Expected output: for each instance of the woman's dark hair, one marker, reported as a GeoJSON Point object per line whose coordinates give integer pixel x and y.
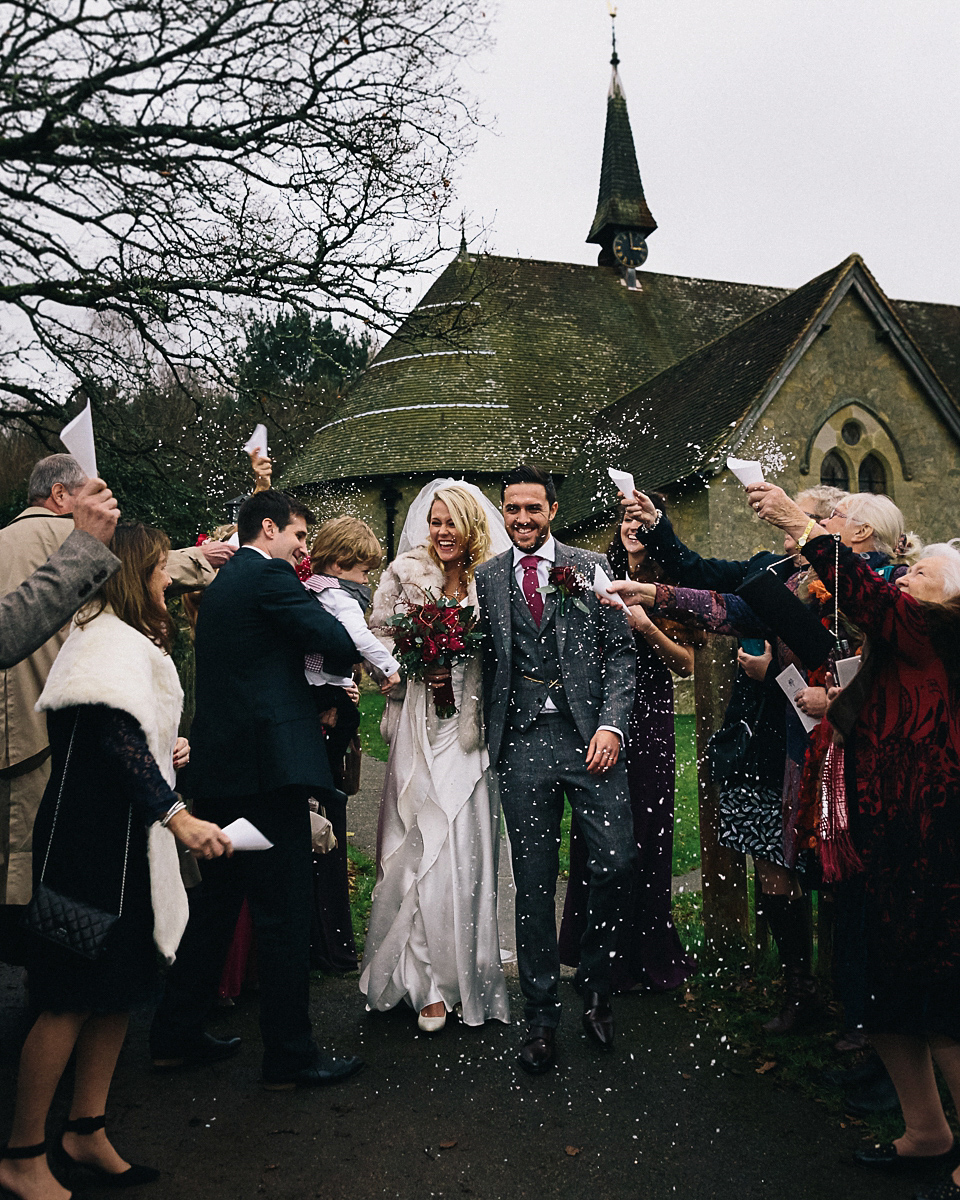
{"type": "Point", "coordinates": [271, 505]}
{"type": "Point", "coordinates": [140, 549]}
{"type": "Point", "coordinates": [650, 571]}
{"type": "Point", "coordinates": [527, 473]}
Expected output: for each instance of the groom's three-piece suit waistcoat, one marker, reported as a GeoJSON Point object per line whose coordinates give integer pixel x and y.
{"type": "Point", "coordinates": [584, 661]}
{"type": "Point", "coordinates": [536, 663]}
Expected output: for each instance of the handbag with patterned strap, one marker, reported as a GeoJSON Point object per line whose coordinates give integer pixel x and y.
{"type": "Point", "coordinates": [71, 924]}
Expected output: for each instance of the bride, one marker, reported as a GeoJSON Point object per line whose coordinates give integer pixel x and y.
{"type": "Point", "coordinates": [433, 940]}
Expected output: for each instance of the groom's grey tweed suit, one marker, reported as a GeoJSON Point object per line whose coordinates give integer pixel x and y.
{"type": "Point", "coordinates": [590, 660]}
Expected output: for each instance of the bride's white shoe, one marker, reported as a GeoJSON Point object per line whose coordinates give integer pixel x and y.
{"type": "Point", "coordinates": [432, 1024]}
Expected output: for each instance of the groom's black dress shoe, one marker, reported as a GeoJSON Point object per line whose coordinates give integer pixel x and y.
{"type": "Point", "coordinates": [325, 1070]}
{"type": "Point", "coordinates": [197, 1051]}
{"type": "Point", "coordinates": [538, 1053]}
{"type": "Point", "coordinates": [598, 1019]}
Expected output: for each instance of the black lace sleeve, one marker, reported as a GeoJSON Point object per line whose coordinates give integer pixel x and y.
{"type": "Point", "coordinates": [123, 740]}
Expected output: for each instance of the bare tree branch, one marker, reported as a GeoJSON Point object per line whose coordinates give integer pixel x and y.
{"type": "Point", "coordinates": [165, 162]}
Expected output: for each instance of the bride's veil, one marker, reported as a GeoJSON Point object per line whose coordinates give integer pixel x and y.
{"type": "Point", "coordinates": [414, 532]}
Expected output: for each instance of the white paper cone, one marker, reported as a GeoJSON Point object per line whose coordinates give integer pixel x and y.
{"type": "Point", "coordinates": [77, 436]}
{"type": "Point", "coordinates": [234, 539]}
{"type": "Point", "coordinates": [747, 470]}
{"type": "Point", "coordinates": [622, 480]}
{"type": "Point", "coordinates": [258, 441]}
{"type": "Point", "coordinates": [246, 836]}
{"type": "Point", "coordinates": [601, 585]}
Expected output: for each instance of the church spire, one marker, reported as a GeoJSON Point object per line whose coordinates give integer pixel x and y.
{"type": "Point", "coordinates": [621, 205]}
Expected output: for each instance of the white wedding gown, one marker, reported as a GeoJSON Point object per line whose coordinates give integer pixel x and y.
{"type": "Point", "coordinates": [433, 927]}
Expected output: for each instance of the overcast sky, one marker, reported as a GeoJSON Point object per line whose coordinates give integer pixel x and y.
{"type": "Point", "coordinates": [774, 137]}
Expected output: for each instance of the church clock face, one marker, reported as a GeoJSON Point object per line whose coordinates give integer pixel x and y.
{"type": "Point", "coordinates": [629, 248]}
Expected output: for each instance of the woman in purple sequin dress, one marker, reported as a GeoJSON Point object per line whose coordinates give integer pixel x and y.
{"type": "Point", "coordinates": [649, 952]}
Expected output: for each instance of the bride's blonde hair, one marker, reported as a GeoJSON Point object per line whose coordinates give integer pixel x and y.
{"type": "Point", "coordinates": [469, 520]}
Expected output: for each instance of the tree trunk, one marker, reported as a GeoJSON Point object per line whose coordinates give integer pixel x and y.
{"type": "Point", "coordinates": [725, 911]}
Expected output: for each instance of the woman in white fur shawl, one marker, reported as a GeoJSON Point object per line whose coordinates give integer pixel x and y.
{"type": "Point", "coordinates": [113, 702]}
{"type": "Point", "coordinates": [433, 941]}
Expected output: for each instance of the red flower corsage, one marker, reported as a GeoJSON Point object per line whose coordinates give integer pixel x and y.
{"type": "Point", "coordinates": [569, 586]}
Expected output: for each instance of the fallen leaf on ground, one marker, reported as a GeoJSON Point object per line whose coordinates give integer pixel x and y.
{"type": "Point", "coordinates": [767, 1066]}
{"type": "Point", "coordinates": [448, 1145]}
{"type": "Point", "coordinates": [573, 1151]}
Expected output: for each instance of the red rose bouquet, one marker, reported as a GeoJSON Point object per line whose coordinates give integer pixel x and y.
{"type": "Point", "coordinates": [435, 634]}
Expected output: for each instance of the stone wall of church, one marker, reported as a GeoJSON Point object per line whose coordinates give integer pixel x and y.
{"type": "Point", "coordinates": [848, 377]}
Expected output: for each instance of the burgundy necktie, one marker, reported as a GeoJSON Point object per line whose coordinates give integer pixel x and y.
{"type": "Point", "coordinates": [531, 582]}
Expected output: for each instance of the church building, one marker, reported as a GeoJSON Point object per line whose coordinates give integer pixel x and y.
{"type": "Point", "coordinates": [583, 367]}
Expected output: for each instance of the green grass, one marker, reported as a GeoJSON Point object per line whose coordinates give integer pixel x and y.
{"type": "Point", "coordinates": [362, 873]}
{"type": "Point", "coordinates": [371, 710]}
{"type": "Point", "coordinates": [686, 825]}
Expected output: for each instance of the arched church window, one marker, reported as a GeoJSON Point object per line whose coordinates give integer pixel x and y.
{"type": "Point", "coordinates": [833, 472]}
{"type": "Point", "coordinates": [872, 477]}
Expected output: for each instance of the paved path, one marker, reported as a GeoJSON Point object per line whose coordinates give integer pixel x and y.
{"type": "Point", "coordinates": [669, 1113]}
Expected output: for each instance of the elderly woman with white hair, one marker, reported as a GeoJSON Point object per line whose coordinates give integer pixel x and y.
{"type": "Point", "coordinates": [897, 807]}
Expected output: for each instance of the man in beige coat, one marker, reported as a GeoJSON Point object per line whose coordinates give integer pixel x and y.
{"type": "Point", "coordinates": [25, 544]}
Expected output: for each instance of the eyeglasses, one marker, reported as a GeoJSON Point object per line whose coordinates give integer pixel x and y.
{"type": "Point", "coordinates": [837, 513]}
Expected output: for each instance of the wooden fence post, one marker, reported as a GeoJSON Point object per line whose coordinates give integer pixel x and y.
{"type": "Point", "coordinates": [726, 917]}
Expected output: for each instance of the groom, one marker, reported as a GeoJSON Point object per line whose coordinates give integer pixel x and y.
{"type": "Point", "coordinates": [559, 674]}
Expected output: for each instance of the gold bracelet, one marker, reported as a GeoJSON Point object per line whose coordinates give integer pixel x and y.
{"type": "Point", "coordinates": [802, 539]}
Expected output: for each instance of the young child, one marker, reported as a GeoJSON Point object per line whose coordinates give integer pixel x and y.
{"type": "Point", "coordinates": [344, 553]}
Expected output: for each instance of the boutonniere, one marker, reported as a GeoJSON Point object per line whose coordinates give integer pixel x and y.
{"type": "Point", "coordinates": [569, 586]}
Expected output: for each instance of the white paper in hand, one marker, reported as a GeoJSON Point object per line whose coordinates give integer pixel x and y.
{"type": "Point", "coordinates": [747, 470]}
{"type": "Point", "coordinates": [847, 668]}
{"type": "Point", "coordinates": [77, 436]}
{"type": "Point", "coordinates": [258, 441]}
{"type": "Point", "coordinates": [792, 682]}
{"type": "Point", "coordinates": [246, 836]}
{"type": "Point", "coordinates": [601, 585]}
{"type": "Point", "coordinates": [623, 481]}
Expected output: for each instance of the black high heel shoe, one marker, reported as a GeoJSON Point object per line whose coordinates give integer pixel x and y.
{"type": "Point", "coordinates": [90, 1173]}
{"type": "Point", "coordinates": [20, 1152]}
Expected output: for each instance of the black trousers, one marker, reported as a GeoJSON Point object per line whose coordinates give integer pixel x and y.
{"type": "Point", "coordinates": [277, 884]}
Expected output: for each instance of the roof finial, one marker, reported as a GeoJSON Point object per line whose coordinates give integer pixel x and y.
{"type": "Point", "coordinates": [612, 10]}
{"type": "Point", "coordinates": [463, 235]}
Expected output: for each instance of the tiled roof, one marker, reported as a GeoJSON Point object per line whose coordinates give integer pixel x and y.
{"type": "Point", "coordinates": [680, 422]}
{"type": "Point", "coordinates": [936, 329]}
{"type": "Point", "coordinates": [510, 358]}
{"type": "Point", "coordinates": [621, 203]}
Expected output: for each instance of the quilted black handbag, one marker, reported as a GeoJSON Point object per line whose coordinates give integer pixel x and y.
{"type": "Point", "coordinates": [728, 747]}
{"type": "Point", "coordinates": [72, 924]}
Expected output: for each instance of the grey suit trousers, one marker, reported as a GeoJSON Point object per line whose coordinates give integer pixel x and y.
{"type": "Point", "coordinates": [537, 766]}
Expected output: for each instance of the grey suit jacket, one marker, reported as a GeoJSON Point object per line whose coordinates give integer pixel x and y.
{"type": "Point", "coordinates": [596, 650]}
{"type": "Point", "coordinates": [34, 611]}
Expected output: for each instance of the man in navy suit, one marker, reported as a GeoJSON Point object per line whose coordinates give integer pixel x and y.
{"type": "Point", "coordinates": [257, 752]}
